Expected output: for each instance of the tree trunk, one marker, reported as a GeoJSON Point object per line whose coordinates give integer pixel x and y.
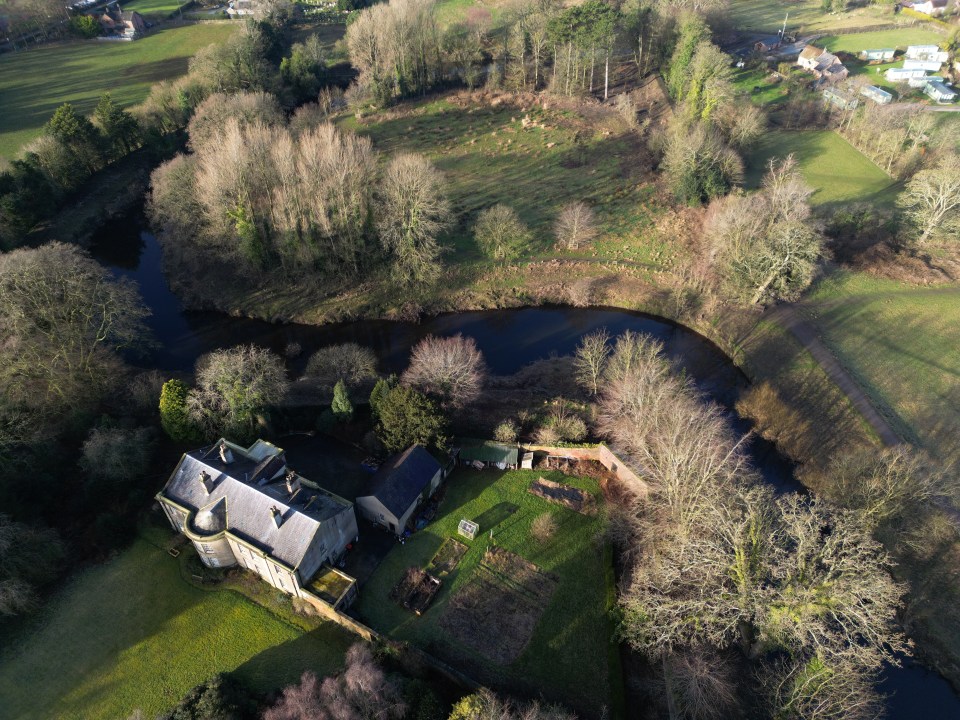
{"type": "Point", "coordinates": [606, 77]}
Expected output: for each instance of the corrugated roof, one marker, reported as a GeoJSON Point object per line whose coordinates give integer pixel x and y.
{"type": "Point", "coordinates": [488, 451]}
{"type": "Point", "coordinates": [400, 480]}
{"type": "Point", "coordinates": [248, 506]}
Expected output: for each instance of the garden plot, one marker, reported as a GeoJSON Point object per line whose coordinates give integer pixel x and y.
{"type": "Point", "coordinates": [495, 614]}
{"type": "Point", "coordinates": [568, 496]}
{"type": "Point", "coordinates": [447, 558]}
{"type": "Point", "coordinates": [416, 590]}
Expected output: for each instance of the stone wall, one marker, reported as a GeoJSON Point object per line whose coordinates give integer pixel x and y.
{"type": "Point", "coordinates": [601, 454]}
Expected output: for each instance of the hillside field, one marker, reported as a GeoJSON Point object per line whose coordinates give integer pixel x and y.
{"type": "Point", "coordinates": [93, 652]}
{"type": "Point", "coordinates": [899, 38]}
{"type": "Point", "coordinates": [838, 172]}
{"type": "Point", "coordinates": [34, 83]}
{"type": "Point", "coordinates": [805, 16]}
{"type": "Point", "coordinates": [902, 344]}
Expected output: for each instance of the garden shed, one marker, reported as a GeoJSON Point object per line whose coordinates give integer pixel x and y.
{"type": "Point", "coordinates": [399, 486]}
{"type": "Point", "coordinates": [486, 453]}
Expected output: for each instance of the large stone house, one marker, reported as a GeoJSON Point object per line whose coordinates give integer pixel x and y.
{"type": "Point", "coordinates": [244, 506]}
{"type": "Point", "coordinates": [824, 65]}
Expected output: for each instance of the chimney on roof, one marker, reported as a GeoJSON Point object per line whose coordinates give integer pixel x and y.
{"type": "Point", "coordinates": [226, 455]}
{"type": "Point", "coordinates": [293, 484]}
{"type": "Point", "coordinates": [277, 516]}
{"type": "Point", "coordinates": [206, 481]}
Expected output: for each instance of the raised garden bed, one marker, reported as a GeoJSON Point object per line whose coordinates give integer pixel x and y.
{"type": "Point", "coordinates": [566, 495]}
{"type": "Point", "coordinates": [447, 558]}
{"type": "Point", "coordinates": [416, 590]}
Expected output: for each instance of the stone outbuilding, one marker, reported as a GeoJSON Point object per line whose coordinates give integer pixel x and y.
{"type": "Point", "coordinates": [399, 487]}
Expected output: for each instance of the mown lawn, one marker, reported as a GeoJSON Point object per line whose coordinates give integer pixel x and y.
{"type": "Point", "coordinates": [902, 343]}
{"type": "Point", "coordinates": [153, 8]}
{"type": "Point", "coordinates": [572, 656]}
{"type": "Point", "coordinates": [899, 38]}
{"type": "Point", "coordinates": [132, 634]}
{"type": "Point", "coordinates": [489, 157]}
{"type": "Point", "coordinates": [836, 170]}
{"type": "Point", "coordinates": [804, 15]}
{"type": "Point", "coordinates": [34, 83]}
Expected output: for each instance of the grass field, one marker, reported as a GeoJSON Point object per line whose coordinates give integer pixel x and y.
{"type": "Point", "coordinates": [899, 38]}
{"type": "Point", "coordinates": [489, 157]}
{"type": "Point", "coordinates": [902, 344]}
{"type": "Point", "coordinates": [571, 656]}
{"type": "Point", "coordinates": [804, 16]}
{"type": "Point", "coordinates": [835, 169]}
{"type": "Point", "coordinates": [153, 8]}
{"type": "Point", "coordinates": [34, 83]}
{"type": "Point", "coordinates": [132, 634]}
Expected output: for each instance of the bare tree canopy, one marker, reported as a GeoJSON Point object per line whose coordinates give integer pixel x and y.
{"type": "Point", "coordinates": [234, 388]}
{"type": "Point", "coordinates": [247, 108]}
{"type": "Point", "coordinates": [576, 226]}
{"type": "Point", "coordinates": [413, 210]}
{"type": "Point", "coordinates": [931, 200]}
{"type": "Point", "coordinates": [590, 359]}
{"type": "Point", "coordinates": [485, 705]}
{"type": "Point", "coordinates": [500, 233]}
{"type": "Point", "coordinates": [116, 454]}
{"type": "Point", "coordinates": [348, 362]}
{"type": "Point", "coordinates": [451, 369]}
{"type": "Point", "coordinates": [62, 317]}
{"type": "Point", "coordinates": [361, 692]}
{"type": "Point", "coordinates": [765, 245]}
{"type": "Point", "coordinates": [29, 556]}
{"type": "Point", "coordinates": [717, 561]}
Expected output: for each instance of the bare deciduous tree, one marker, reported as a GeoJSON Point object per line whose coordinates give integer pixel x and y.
{"type": "Point", "coordinates": [500, 232]}
{"type": "Point", "coordinates": [413, 210]}
{"type": "Point", "coordinates": [701, 683]}
{"type": "Point", "coordinates": [348, 362]}
{"type": "Point", "coordinates": [361, 692]}
{"type": "Point", "coordinates": [590, 359]}
{"type": "Point", "coordinates": [576, 226]}
{"type": "Point", "coordinates": [29, 556]}
{"type": "Point", "coordinates": [62, 318]}
{"type": "Point", "coordinates": [886, 484]}
{"type": "Point", "coordinates": [763, 244]}
{"type": "Point", "coordinates": [117, 455]}
{"type": "Point", "coordinates": [448, 368]}
{"type": "Point", "coordinates": [234, 388]}
{"type": "Point", "coordinates": [485, 705]}
{"type": "Point", "coordinates": [931, 200]}
{"type": "Point", "coordinates": [247, 108]}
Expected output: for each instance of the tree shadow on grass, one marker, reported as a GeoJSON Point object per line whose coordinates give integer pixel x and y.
{"type": "Point", "coordinates": [320, 650]}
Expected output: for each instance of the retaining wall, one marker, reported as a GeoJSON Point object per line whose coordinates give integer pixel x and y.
{"type": "Point", "coordinates": [601, 454]}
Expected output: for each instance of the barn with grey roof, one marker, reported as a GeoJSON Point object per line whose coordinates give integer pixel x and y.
{"type": "Point", "coordinates": [399, 486]}
{"type": "Point", "coordinates": [244, 506]}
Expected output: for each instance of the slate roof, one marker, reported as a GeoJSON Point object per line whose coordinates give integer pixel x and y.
{"type": "Point", "coordinates": [400, 480]}
{"type": "Point", "coordinates": [243, 492]}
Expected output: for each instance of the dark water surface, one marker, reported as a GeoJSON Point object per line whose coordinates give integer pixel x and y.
{"type": "Point", "coordinates": [509, 339]}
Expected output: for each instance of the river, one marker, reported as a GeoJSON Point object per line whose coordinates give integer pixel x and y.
{"type": "Point", "coordinates": [509, 339]}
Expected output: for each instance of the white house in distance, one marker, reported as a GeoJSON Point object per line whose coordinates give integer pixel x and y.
{"type": "Point", "coordinates": [929, 7]}
{"type": "Point", "coordinates": [930, 53]}
{"type": "Point", "coordinates": [878, 95]}
{"type": "Point", "coordinates": [826, 66]}
{"type": "Point", "coordinates": [879, 55]}
{"type": "Point", "coordinates": [243, 506]}
{"type": "Point", "coordinates": [399, 487]}
{"type": "Point", "coordinates": [940, 92]}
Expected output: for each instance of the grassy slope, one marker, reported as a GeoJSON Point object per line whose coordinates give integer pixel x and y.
{"type": "Point", "coordinates": [569, 657]}
{"type": "Point", "coordinates": [805, 16]}
{"type": "Point", "coordinates": [899, 38]}
{"type": "Point", "coordinates": [34, 83]}
{"type": "Point", "coordinates": [153, 8]}
{"type": "Point", "coordinates": [132, 634]}
{"type": "Point", "coordinates": [837, 171]}
{"type": "Point", "coordinates": [902, 343]}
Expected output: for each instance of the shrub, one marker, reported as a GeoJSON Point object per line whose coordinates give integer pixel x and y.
{"type": "Point", "coordinates": [500, 233]}
{"type": "Point", "coordinates": [407, 417]}
{"type": "Point", "coordinates": [506, 432]}
{"type": "Point", "coordinates": [544, 527]}
{"type": "Point", "coordinates": [174, 415]}
{"type": "Point", "coordinates": [341, 407]}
